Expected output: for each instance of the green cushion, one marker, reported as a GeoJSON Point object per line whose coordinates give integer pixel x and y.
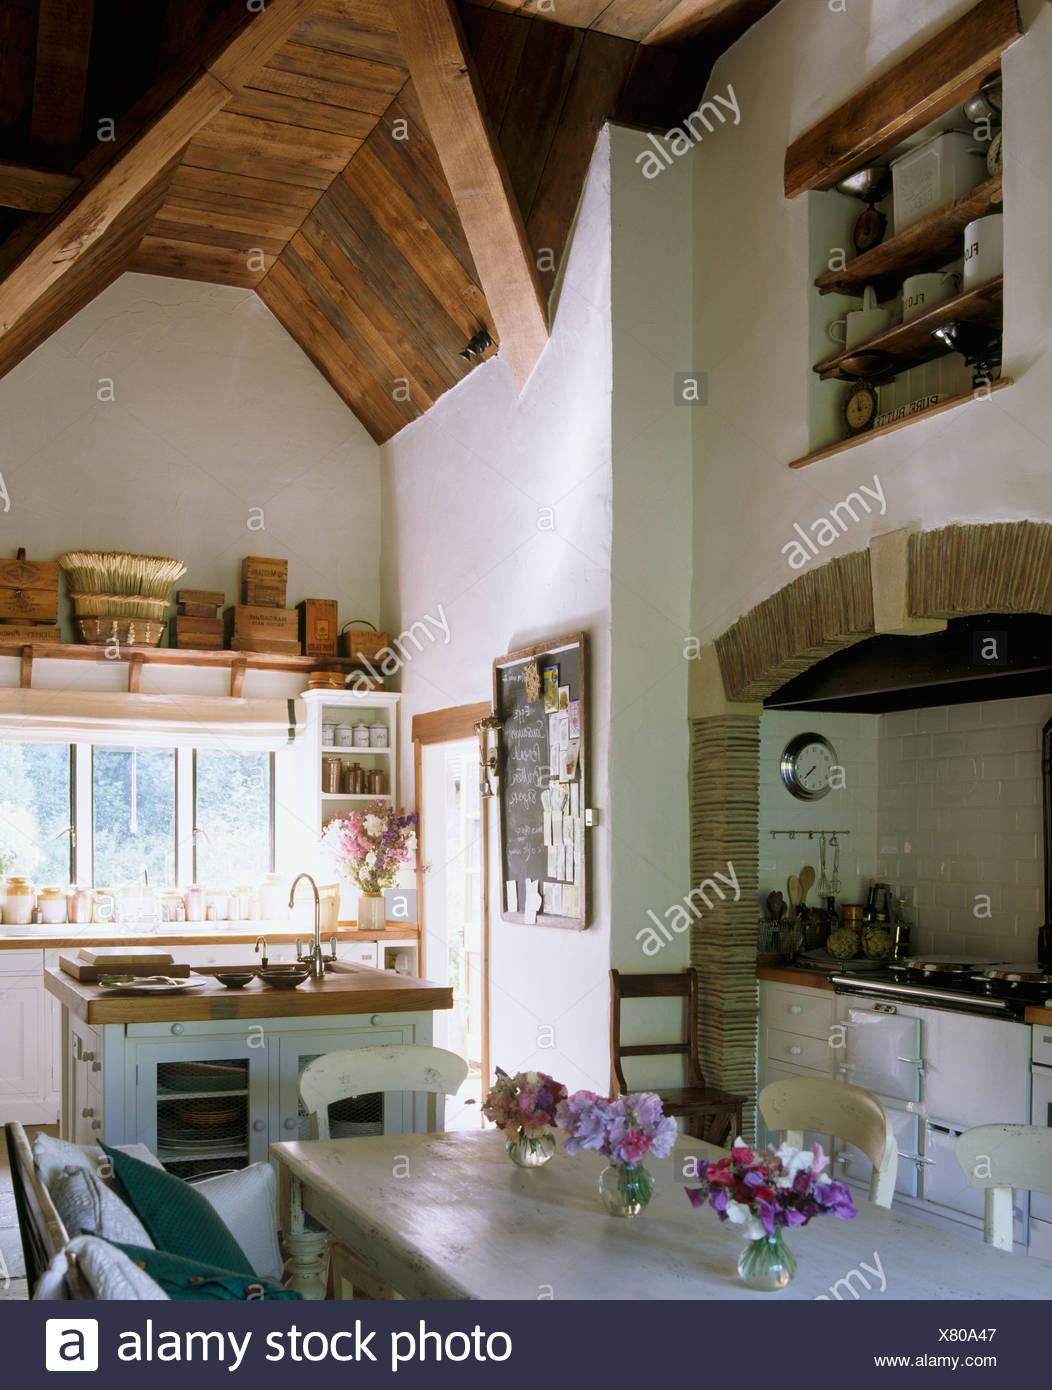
{"type": "Point", "coordinates": [178, 1219]}
{"type": "Point", "coordinates": [181, 1278]}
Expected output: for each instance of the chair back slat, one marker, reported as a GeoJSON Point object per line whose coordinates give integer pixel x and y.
{"type": "Point", "coordinates": [655, 1049]}
{"type": "Point", "coordinates": [1000, 1158]}
{"type": "Point", "coordinates": [824, 1106]}
{"type": "Point", "coordinates": [43, 1234]}
{"type": "Point", "coordinates": [682, 985]}
{"type": "Point", "coordinates": [358, 1071]}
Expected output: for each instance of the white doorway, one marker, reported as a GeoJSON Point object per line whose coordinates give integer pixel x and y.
{"type": "Point", "coordinates": [454, 917]}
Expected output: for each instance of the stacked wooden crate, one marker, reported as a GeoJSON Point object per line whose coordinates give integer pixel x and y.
{"type": "Point", "coordinates": [198, 623]}
{"type": "Point", "coordinates": [28, 601]}
{"type": "Point", "coordinates": [261, 622]}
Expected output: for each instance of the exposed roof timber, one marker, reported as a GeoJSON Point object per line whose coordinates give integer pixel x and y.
{"type": "Point", "coordinates": [643, 21]}
{"type": "Point", "coordinates": [447, 87]}
{"type": "Point", "coordinates": [60, 79]}
{"type": "Point", "coordinates": [99, 202]}
{"type": "Point", "coordinates": [33, 190]}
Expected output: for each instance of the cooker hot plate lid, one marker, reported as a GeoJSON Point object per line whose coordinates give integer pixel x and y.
{"type": "Point", "coordinates": [1025, 974]}
{"type": "Point", "coordinates": [944, 965]}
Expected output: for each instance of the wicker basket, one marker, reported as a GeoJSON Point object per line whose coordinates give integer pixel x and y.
{"type": "Point", "coordinates": [124, 632]}
{"type": "Point", "coordinates": [361, 643]}
{"type": "Point", "coordinates": [118, 606]}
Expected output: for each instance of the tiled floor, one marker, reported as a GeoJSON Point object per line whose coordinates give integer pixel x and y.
{"type": "Point", "coordinates": [12, 1269]}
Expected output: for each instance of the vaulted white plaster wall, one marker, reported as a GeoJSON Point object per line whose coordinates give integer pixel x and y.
{"type": "Point", "coordinates": [215, 413]}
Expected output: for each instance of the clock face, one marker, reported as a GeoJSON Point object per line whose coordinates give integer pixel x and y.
{"type": "Point", "coordinates": [860, 408]}
{"type": "Point", "coordinates": [807, 766]}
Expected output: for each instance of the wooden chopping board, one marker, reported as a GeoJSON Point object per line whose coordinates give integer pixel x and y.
{"type": "Point", "coordinates": [89, 971]}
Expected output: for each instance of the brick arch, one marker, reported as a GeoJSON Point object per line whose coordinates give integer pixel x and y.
{"type": "Point", "coordinates": [954, 571]}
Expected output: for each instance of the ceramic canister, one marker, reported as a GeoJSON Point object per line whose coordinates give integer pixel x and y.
{"type": "Point", "coordinates": [377, 735]}
{"type": "Point", "coordinates": [18, 900]}
{"type": "Point", "coordinates": [922, 292]}
{"type": "Point", "coordinates": [344, 736]}
{"type": "Point", "coordinates": [361, 735]}
{"type": "Point", "coordinates": [984, 249]}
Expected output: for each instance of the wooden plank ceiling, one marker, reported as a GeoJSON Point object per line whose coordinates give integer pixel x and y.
{"type": "Point", "coordinates": [292, 156]}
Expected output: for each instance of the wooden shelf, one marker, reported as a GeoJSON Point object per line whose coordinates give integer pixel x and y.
{"type": "Point", "coordinates": [927, 413]}
{"type": "Point", "coordinates": [927, 245]}
{"type": "Point", "coordinates": [137, 657]}
{"type": "Point", "coordinates": [907, 344]}
{"type": "Point", "coordinates": [356, 796]}
{"type": "Point", "coordinates": [341, 748]}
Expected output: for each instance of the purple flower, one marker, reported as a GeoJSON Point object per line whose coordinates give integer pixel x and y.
{"type": "Point", "coordinates": [697, 1195]}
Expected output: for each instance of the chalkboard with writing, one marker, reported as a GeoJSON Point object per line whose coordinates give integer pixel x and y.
{"type": "Point", "coordinates": [540, 697]}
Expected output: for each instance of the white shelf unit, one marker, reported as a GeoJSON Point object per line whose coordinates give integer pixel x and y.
{"type": "Point", "coordinates": [352, 707]}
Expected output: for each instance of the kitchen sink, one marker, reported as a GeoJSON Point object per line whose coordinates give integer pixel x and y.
{"type": "Point", "coordinates": [339, 967]}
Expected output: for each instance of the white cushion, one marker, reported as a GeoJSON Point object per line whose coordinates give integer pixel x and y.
{"type": "Point", "coordinates": [86, 1206]}
{"type": "Point", "coordinates": [246, 1200]}
{"type": "Point", "coordinates": [54, 1156]}
{"type": "Point", "coordinates": [109, 1273]}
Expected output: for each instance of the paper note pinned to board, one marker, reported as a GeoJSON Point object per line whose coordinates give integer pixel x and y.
{"type": "Point", "coordinates": [511, 891]}
{"type": "Point", "coordinates": [533, 902]}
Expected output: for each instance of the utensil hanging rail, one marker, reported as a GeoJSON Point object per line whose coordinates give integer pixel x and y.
{"type": "Point", "coordinates": [809, 833]}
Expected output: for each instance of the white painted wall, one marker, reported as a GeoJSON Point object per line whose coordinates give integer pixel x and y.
{"type": "Point", "coordinates": [751, 295]}
{"type": "Point", "coordinates": [650, 594]}
{"type": "Point", "coordinates": [215, 412]}
{"type": "Point", "coordinates": [466, 527]}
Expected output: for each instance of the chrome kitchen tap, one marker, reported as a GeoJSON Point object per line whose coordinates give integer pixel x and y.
{"type": "Point", "coordinates": [262, 939]}
{"type": "Point", "coordinates": [314, 957]}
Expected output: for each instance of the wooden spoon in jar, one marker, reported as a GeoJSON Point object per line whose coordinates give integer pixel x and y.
{"type": "Point", "coordinates": [807, 882]}
{"type": "Point", "coordinates": [793, 885]}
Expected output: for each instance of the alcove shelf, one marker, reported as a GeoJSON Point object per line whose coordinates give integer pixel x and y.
{"type": "Point", "coordinates": [908, 344]}
{"type": "Point", "coordinates": [937, 409]}
{"type": "Point", "coordinates": [927, 245]}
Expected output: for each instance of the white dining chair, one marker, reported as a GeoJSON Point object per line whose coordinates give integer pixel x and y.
{"type": "Point", "coordinates": [847, 1112]}
{"type": "Point", "coordinates": [998, 1158]}
{"type": "Point", "coordinates": [358, 1071]}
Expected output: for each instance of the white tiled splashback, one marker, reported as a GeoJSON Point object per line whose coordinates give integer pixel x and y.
{"type": "Point", "coordinates": [853, 808]}
{"type": "Point", "coordinates": [960, 822]}
{"type": "Point", "coordinates": [943, 803]}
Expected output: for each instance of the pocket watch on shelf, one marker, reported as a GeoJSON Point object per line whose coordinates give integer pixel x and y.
{"type": "Point", "coordinates": [860, 407]}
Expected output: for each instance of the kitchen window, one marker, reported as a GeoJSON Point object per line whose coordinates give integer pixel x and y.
{"type": "Point", "coordinates": [233, 816]}
{"type": "Point", "coordinates": [36, 810]}
{"type": "Point", "coordinates": [133, 815]}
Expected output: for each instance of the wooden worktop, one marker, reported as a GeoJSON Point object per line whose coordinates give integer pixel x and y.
{"type": "Point", "coordinates": [794, 975]}
{"type": "Point", "coordinates": [1035, 1014]}
{"type": "Point", "coordinates": [183, 934]}
{"type": "Point", "coordinates": [346, 989]}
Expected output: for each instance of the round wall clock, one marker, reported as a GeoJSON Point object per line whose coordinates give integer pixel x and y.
{"type": "Point", "coordinates": [807, 764]}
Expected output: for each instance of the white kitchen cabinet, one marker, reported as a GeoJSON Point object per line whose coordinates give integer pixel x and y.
{"type": "Point", "coordinates": [28, 1092]}
{"type": "Point", "coordinates": [795, 1039]}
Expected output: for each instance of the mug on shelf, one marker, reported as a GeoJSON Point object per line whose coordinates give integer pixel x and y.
{"type": "Point", "coordinates": [984, 249]}
{"type": "Point", "coordinates": [859, 325]}
{"type": "Point", "coordinates": [922, 292]}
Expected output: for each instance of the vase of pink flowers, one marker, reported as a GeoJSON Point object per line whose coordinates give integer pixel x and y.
{"type": "Point", "coordinates": [367, 849]}
{"type": "Point", "coordinates": [523, 1106]}
{"type": "Point", "coordinates": [625, 1129]}
{"type": "Point", "coordinates": [763, 1195]}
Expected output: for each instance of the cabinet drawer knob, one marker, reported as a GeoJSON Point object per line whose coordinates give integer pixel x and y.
{"type": "Point", "coordinates": [96, 1124]}
{"type": "Point", "coordinates": [377, 1018]}
{"type": "Point", "coordinates": [795, 1050]}
{"type": "Point", "coordinates": [178, 1029]}
{"type": "Point", "coordinates": [292, 1124]}
{"type": "Point", "coordinates": [87, 1112]}
{"type": "Point", "coordinates": [87, 1056]}
{"type": "Point", "coordinates": [796, 1008]}
{"type": "Point", "coordinates": [259, 1126]}
{"type": "Point", "coordinates": [96, 1066]}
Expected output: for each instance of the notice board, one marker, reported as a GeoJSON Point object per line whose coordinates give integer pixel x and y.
{"type": "Point", "coordinates": [540, 698]}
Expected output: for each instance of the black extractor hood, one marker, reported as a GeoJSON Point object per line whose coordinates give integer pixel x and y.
{"type": "Point", "coordinates": [993, 657]}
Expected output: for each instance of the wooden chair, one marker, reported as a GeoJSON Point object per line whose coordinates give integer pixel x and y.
{"type": "Point", "coordinates": [39, 1225]}
{"type": "Point", "coordinates": [998, 1158]}
{"type": "Point", "coordinates": [357, 1071]}
{"type": "Point", "coordinates": [844, 1111]}
{"type": "Point", "coordinates": [711, 1114]}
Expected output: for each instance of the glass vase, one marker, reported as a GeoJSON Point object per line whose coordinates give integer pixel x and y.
{"type": "Point", "coordinates": [371, 912]}
{"type": "Point", "coordinates": [530, 1150]}
{"type": "Point", "coordinates": [766, 1262]}
{"type": "Point", "coordinates": [625, 1191]}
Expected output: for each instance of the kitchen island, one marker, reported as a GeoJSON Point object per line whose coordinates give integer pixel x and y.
{"type": "Point", "coordinates": [207, 1078]}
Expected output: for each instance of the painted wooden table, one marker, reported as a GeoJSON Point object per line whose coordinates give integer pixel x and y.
{"type": "Point", "coordinates": [444, 1216]}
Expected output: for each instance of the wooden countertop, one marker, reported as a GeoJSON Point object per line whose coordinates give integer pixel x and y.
{"type": "Point", "coordinates": [183, 934]}
{"type": "Point", "coordinates": [793, 975]}
{"type": "Point", "coordinates": [1034, 1014]}
{"type": "Point", "coordinates": [347, 989]}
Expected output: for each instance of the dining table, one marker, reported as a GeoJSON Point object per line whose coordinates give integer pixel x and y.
{"type": "Point", "coordinates": [450, 1216]}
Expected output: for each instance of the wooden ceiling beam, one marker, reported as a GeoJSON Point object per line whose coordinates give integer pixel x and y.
{"type": "Point", "coordinates": [29, 189]}
{"type": "Point", "coordinates": [448, 91]}
{"type": "Point", "coordinates": [90, 213]}
{"type": "Point", "coordinates": [60, 80]}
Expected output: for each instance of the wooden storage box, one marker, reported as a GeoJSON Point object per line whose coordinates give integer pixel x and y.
{"type": "Point", "coordinates": [262, 593]}
{"type": "Point", "coordinates": [200, 603]}
{"type": "Point", "coordinates": [361, 643]}
{"type": "Point", "coordinates": [206, 634]}
{"type": "Point", "coordinates": [19, 635]}
{"type": "Point", "coordinates": [317, 629]}
{"type": "Point", "coordinates": [28, 590]}
{"type": "Point", "coordinates": [253, 628]}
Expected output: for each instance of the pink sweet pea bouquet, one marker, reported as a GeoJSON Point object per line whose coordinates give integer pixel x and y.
{"type": "Point", "coordinates": [524, 1105]}
{"type": "Point", "coordinates": [370, 847]}
{"type": "Point", "coordinates": [760, 1192]}
{"type": "Point", "coordinates": [625, 1129]}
